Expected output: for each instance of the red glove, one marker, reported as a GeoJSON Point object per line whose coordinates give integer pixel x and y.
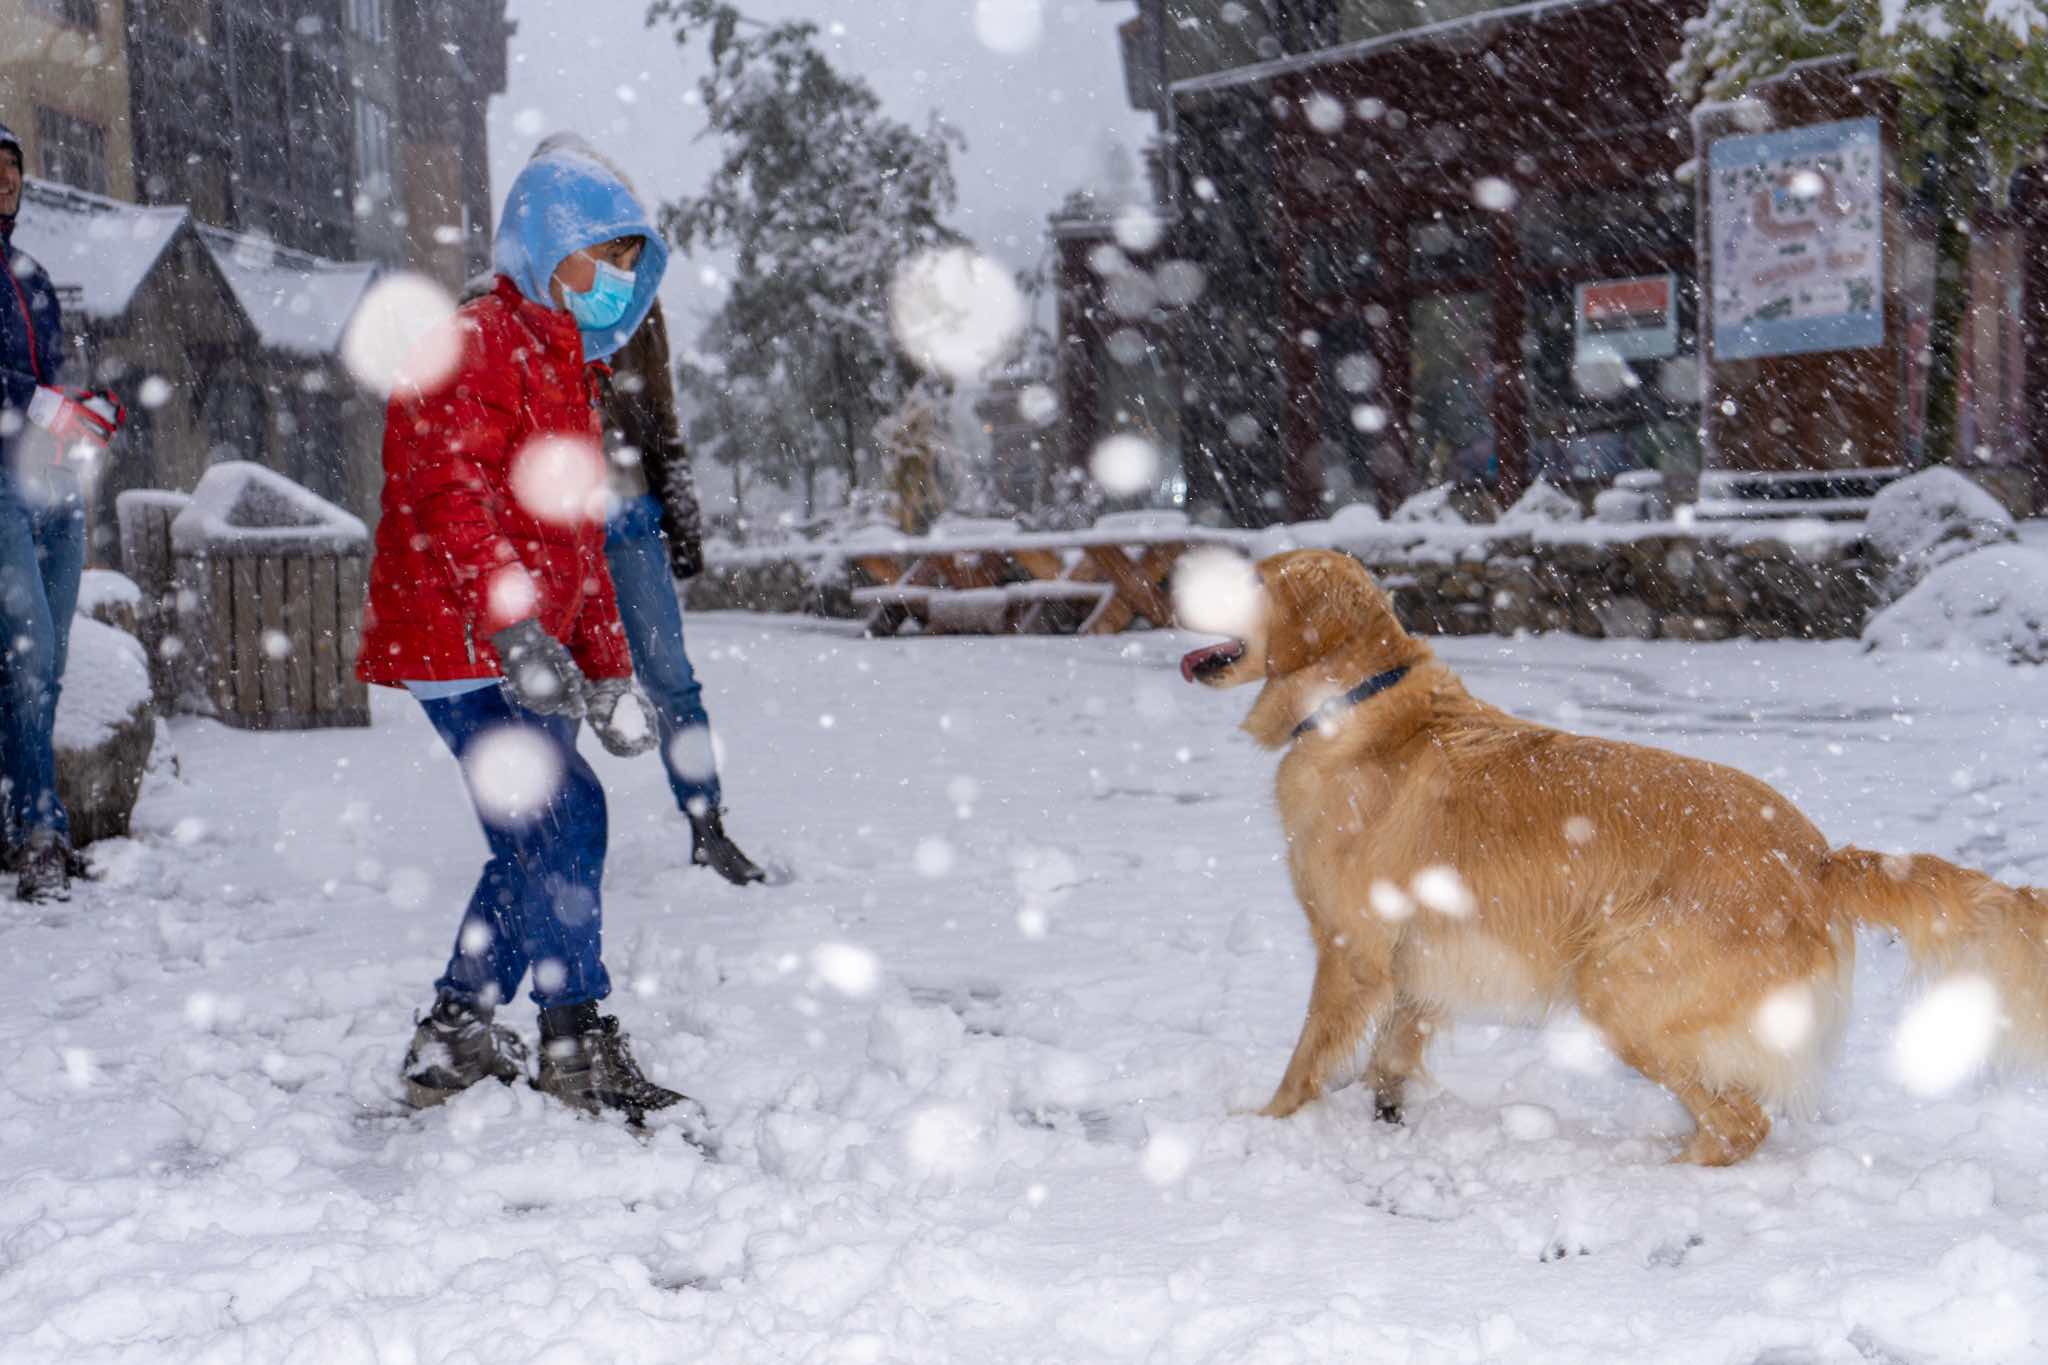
{"type": "Point", "coordinates": [76, 417]}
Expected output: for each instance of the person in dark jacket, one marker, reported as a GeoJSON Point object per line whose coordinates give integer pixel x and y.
{"type": "Point", "coordinates": [490, 602]}
{"type": "Point", "coordinates": [655, 537]}
{"type": "Point", "coordinates": [42, 555]}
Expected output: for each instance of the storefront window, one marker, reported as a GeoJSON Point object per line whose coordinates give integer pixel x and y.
{"type": "Point", "coordinates": [1991, 390]}
{"type": "Point", "coordinates": [1340, 257]}
{"type": "Point", "coordinates": [1450, 422]}
{"type": "Point", "coordinates": [1602, 402]}
{"type": "Point", "coordinates": [1138, 394]}
{"type": "Point", "coordinates": [1450, 246]}
{"type": "Point", "coordinates": [1360, 453]}
{"type": "Point", "coordinates": [1585, 227]}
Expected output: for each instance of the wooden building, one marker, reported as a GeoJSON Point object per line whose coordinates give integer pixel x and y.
{"type": "Point", "coordinates": [1464, 253]}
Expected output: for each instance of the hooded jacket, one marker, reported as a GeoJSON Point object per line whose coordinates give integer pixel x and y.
{"type": "Point", "coordinates": [484, 519]}
{"type": "Point", "coordinates": [638, 397]}
{"type": "Point", "coordinates": [31, 325]}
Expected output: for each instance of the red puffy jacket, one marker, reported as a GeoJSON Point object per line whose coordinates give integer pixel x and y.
{"type": "Point", "coordinates": [486, 521]}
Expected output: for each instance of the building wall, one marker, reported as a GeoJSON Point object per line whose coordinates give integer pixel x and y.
{"type": "Point", "coordinates": [1364, 19]}
{"type": "Point", "coordinates": [451, 60]}
{"type": "Point", "coordinates": [73, 71]}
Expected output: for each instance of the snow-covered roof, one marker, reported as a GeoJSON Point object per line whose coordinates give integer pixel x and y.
{"type": "Point", "coordinates": [95, 249]}
{"type": "Point", "coordinates": [299, 302]}
{"type": "Point", "coordinates": [1343, 52]}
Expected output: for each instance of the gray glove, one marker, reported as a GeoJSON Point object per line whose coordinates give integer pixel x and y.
{"type": "Point", "coordinates": [620, 715]}
{"type": "Point", "coordinates": [539, 673]}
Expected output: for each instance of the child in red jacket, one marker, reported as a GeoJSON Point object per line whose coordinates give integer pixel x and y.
{"type": "Point", "coordinates": [491, 602]}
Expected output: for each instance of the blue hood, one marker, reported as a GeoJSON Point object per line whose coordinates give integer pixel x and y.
{"type": "Point", "coordinates": [561, 202]}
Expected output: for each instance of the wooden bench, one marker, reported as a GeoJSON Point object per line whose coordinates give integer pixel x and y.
{"type": "Point", "coordinates": [1093, 582]}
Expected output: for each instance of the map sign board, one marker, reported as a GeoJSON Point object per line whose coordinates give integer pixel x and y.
{"type": "Point", "coordinates": [1797, 233]}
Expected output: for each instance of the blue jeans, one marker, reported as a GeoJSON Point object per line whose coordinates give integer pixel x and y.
{"type": "Point", "coordinates": [537, 904]}
{"type": "Point", "coordinates": [42, 554]}
{"type": "Point", "coordinates": [638, 554]}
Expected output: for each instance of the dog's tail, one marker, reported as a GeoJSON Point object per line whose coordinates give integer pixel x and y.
{"type": "Point", "coordinates": [1955, 920]}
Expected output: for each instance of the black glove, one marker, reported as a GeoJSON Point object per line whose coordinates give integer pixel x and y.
{"type": "Point", "coordinates": [539, 673]}
{"type": "Point", "coordinates": [685, 555]}
{"type": "Point", "coordinates": [620, 715]}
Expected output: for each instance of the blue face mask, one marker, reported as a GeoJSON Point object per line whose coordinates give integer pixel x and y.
{"type": "Point", "coordinates": [605, 302]}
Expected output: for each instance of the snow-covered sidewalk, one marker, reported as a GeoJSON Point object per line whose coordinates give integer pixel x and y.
{"type": "Point", "coordinates": [978, 1070]}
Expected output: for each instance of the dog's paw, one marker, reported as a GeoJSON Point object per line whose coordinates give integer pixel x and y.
{"type": "Point", "coordinates": [1387, 1112]}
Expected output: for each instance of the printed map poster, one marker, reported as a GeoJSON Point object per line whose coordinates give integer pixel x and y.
{"type": "Point", "coordinates": [1798, 240]}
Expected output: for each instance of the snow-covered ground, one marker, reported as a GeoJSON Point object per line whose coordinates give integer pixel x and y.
{"type": "Point", "coordinates": [980, 1070]}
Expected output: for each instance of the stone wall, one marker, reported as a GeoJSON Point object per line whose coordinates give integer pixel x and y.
{"type": "Point", "coordinates": [1661, 580]}
{"type": "Point", "coordinates": [1680, 585]}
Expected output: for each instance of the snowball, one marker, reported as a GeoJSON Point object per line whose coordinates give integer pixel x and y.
{"type": "Point", "coordinates": [560, 480]}
{"type": "Point", "coordinates": [1444, 891]}
{"type": "Point", "coordinates": [1179, 283]}
{"type": "Point", "coordinates": [1325, 113]}
{"type": "Point", "coordinates": [1358, 373]}
{"type": "Point", "coordinates": [1124, 464]}
{"type": "Point", "coordinates": [1389, 901]}
{"type": "Point", "coordinates": [1494, 194]}
{"type": "Point", "coordinates": [693, 753]}
{"type": "Point", "coordinates": [847, 968]}
{"type": "Point", "coordinates": [1166, 1159]}
{"type": "Point", "coordinates": [513, 771]}
{"type": "Point", "coordinates": [1009, 26]}
{"type": "Point", "coordinates": [1138, 228]}
{"type": "Point", "coordinates": [933, 856]}
{"type": "Point", "coordinates": [1038, 404]}
{"type": "Point", "coordinates": [1217, 592]}
{"type": "Point", "coordinates": [1946, 1038]}
{"type": "Point", "coordinates": [403, 334]}
{"type": "Point", "coordinates": [1528, 1122]}
{"type": "Point", "coordinates": [954, 311]}
{"type": "Point", "coordinates": [1785, 1020]}
{"type": "Point", "coordinates": [1601, 373]}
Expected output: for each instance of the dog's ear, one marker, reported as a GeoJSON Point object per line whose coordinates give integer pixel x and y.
{"type": "Point", "coordinates": [1320, 603]}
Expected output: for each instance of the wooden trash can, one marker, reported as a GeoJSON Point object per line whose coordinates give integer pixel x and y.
{"type": "Point", "coordinates": [268, 581]}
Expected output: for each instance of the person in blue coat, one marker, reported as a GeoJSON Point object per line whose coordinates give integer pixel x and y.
{"type": "Point", "coordinates": [42, 555]}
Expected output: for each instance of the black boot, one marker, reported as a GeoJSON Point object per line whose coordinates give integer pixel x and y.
{"type": "Point", "coordinates": [456, 1046]}
{"type": "Point", "coordinates": [711, 847]}
{"type": "Point", "coordinates": [587, 1064]}
{"type": "Point", "coordinates": [45, 868]}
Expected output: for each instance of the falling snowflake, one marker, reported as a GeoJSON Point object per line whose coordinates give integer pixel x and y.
{"type": "Point", "coordinates": [955, 312]}
{"type": "Point", "coordinates": [1216, 592]}
{"type": "Point", "coordinates": [1009, 26]}
{"type": "Point", "coordinates": [513, 772]}
{"type": "Point", "coordinates": [560, 480]}
{"type": "Point", "coordinates": [402, 335]}
{"type": "Point", "coordinates": [1124, 464]}
{"type": "Point", "coordinates": [1947, 1037]}
{"type": "Point", "coordinates": [847, 968]}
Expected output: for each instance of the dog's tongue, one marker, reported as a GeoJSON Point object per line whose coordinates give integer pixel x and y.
{"type": "Point", "coordinates": [1195, 658]}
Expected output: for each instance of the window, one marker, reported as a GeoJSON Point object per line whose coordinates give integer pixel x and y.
{"type": "Point", "coordinates": [373, 148]}
{"type": "Point", "coordinates": [366, 19]}
{"type": "Point", "coordinates": [77, 13]}
{"type": "Point", "coordinates": [71, 150]}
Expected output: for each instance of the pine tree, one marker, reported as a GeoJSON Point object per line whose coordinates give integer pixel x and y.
{"type": "Point", "coordinates": [820, 197]}
{"type": "Point", "coordinates": [1973, 81]}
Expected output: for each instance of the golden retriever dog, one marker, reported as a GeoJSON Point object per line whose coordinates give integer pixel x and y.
{"type": "Point", "coordinates": [1452, 857]}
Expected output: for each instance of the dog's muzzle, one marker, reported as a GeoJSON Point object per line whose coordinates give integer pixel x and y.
{"type": "Point", "coordinates": [1200, 664]}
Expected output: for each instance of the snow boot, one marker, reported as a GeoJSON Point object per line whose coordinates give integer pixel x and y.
{"type": "Point", "coordinates": [456, 1046]}
{"type": "Point", "coordinates": [587, 1064]}
{"type": "Point", "coordinates": [711, 847]}
{"type": "Point", "coordinates": [45, 868]}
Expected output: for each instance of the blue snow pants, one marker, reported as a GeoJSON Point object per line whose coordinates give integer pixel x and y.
{"type": "Point", "coordinates": [537, 905]}
{"type": "Point", "coordinates": [637, 554]}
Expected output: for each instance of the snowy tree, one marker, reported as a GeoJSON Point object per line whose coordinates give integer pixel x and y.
{"type": "Point", "coordinates": [820, 197]}
{"type": "Point", "coordinates": [1973, 80]}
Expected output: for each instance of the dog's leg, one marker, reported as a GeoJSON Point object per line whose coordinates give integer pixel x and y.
{"type": "Point", "coordinates": [1346, 995]}
{"type": "Point", "coordinates": [1404, 1032]}
{"type": "Point", "coordinates": [1730, 1123]}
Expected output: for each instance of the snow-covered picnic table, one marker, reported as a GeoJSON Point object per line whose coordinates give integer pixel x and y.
{"type": "Point", "coordinates": [984, 578]}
